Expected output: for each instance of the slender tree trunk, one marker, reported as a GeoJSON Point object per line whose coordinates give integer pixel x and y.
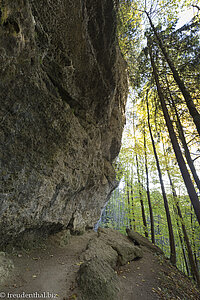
{"type": "Point", "coordinates": [141, 200]}
{"type": "Point", "coordinates": [169, 222]}
{"type": "Point", "coordinates": [132, 202]}
{"type": "Point", "coordinates": [148, 191]}
{"type": "Point", "coordinates": [140, 192]}
{"type": "Point", "coordinates": [188, 99]}
{"type": "Point", "coordinates": [181, 240]}
{"type": "Point", "coordinates": [193, 267]}
{"type": "Point", "coordinates": [183, 250]}
{"type": "Point", "coordinates": [183, 141]}
{"type": "Point", "coordinates": [193, 238]}
{"type": "Point", "coordinates": [184, 171]}
{"type": "Point", "coordinates": [129, 205]}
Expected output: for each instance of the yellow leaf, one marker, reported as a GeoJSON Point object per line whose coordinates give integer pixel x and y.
{"type": "Point", "coordinates": [80, 263]}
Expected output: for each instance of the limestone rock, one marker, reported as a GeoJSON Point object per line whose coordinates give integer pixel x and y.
{"type": "Point", "coordinates": [112, 247]}
{"type": "Point", "coordinates": [98, 249]}
{"type": "Point", "coordinates": [126, 251]}
{"type": "Point", "coordinates": [138, 239]}
{"type": "Point", "coordinates": [6, 266]}
{"type": "Point", "coordinates": [97, 280]}
{"type": "Point", "coordinates": [96, 277]}
{"type": "Point", "coordinates": [63, 89]}
{"type": "Point", "coordinates": [61, 238]}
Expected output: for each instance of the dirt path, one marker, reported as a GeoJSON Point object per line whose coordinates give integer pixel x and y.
{"type": "Point", "coordinates": [140, 279]}
{"type": "Point", "coordinates": [52, 269]}
{"type": "Point", "coordinates": [153, 277]}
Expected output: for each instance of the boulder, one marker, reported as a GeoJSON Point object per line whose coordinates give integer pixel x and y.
{"type": "Point", "coordinates": [97, 248]}
{"type": "Point", "coordinates": [138, 239]}
{"type": "Point", "coordinates": [97, 280]}
{"type": "Point", "coordinates": [120, 243]}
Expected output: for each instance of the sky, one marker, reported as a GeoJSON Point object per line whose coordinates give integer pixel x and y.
{"type": "Point", "coordinates": [186, 16]}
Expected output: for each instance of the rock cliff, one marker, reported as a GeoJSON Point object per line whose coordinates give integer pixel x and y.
{"type": "Point", "coordinates": [62, 91]}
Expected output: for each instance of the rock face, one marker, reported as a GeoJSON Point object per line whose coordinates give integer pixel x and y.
{"type": "Point", "coordinates": [62, 91]}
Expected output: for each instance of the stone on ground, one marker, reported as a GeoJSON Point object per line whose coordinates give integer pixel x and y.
{"type": "Point", "coordinates": [6, 267]}
{"type": "Point", "coordinates": [138, 239]}
{"type": "Point", "coordinates": [98, 249]}
{"type": "Point", "coordinates": [96, 277]}
{"type": "Point", "coordinates": [126, 250]}
{"type": "Point", "coordinates": [97, 280]}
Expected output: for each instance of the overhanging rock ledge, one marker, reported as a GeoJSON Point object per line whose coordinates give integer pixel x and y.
{"type": "Point", "coordinates": [63, 88]}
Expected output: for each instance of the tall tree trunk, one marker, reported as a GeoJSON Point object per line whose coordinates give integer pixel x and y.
{"type": "Point", "coordinates": [132, 201]}
{"type": "Point", "coordinates": [183, 250]}
{"type": "Point", "coordinates": [141, 199]}
{"type": "Point", "coordinates": [186, 94]}
{"type": "Point", "coordinates": [169, 222]}
{"type": "Point", "coordinates": [193, 267]}
{"type": "Point", "coordinates": [183, 140]}
{"type": "Point", "coordinates": [193, 238]}
{"type": "Point", "coordinates": [139, 187]}
{"type": "Point", "coordinates": [147, 186]}
{"type": "Point", "coordinates": [129, 204]}
{"type": "Point", "coordinates": [183, 168]}
{"type": "Point", "coordinates": [181, 240]}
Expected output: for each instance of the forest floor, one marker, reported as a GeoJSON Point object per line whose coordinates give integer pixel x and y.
{"type": "Point", "coordinates": [52, 268]}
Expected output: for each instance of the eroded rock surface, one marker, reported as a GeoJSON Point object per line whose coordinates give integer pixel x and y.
{"type": "Point", "coordinates": [140, 240]}
{"type": "Point", "coordinates": [6, 267]}
{"type": "Point", "coordinates": [125, 249]}
{"type": "Point", "coordinates": [97, 278]}
{"type": "Point", "coordinates": [62, 89]}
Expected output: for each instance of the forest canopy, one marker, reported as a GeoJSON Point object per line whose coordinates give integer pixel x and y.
{"type": "Point", "coordinates": [160, 156]}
